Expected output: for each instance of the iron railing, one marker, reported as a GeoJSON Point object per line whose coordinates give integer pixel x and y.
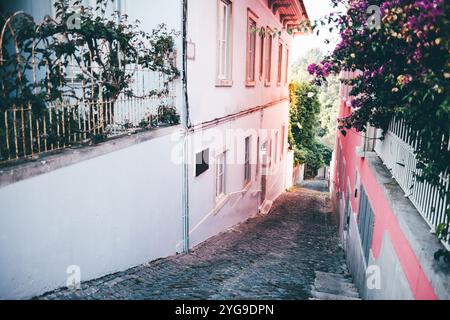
{"type": "Point", "coordinates": [81, 113]}
{"type": "Point", "coordinates": [397, 151]}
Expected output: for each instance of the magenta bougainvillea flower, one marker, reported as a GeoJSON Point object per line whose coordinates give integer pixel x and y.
{"type": "Point", "coordinates": [400, 68]}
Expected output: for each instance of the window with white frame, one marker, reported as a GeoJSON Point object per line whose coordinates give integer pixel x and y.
{"type": "Point", "coordinates": [224, 55]}
{"type": "Point", "coordinates": [286, 67]}
{"type": "Point", "coordinates": [280, 63]}
{"type": "Point", "coordinates": [262, 37]}
{"type": "Point", "coordinates": [268, 57]}
{"type": "Point", "coordinates": [247, 166]}
{"type": "Point", "coordinates": [251, 48]}
{"type": "Point", "coordinates": [221, 163]}
{"type": "Point", "coordinates": [283, 138]}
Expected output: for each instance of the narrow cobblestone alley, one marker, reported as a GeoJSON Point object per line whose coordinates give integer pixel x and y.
{"type": "Point", "coordinates": [269, 257]}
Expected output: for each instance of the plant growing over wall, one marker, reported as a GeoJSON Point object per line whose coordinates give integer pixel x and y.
{"type": "Point", "coordinates": [399, 51]}
{"type": "Point", "coordinates": [82, 55]}
{"type": "Point", "coordinates": [105, 50]}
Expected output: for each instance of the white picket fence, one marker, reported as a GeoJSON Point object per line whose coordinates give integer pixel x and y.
{"type": "Point", "coordinates": [397, 152]}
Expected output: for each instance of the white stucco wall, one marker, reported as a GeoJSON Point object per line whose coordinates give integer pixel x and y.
{"type": "Point", "coordinates": [208, 101]}
{"type": "Point", "coordinates": [104, 215]}
{"type": "Point", "coordinates": [208, 217]}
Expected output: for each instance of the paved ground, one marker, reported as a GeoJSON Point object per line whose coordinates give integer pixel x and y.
{"type": "Point", "coordinates": [317, 185]}
{"type": "Point", "coordinates": [269, 257]}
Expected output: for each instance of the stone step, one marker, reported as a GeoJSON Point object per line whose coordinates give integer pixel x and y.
{"type": "Point", "coordinates": [328, 296]}
{"type": "Point", "coordinates": [332, 286]}
{"type": "Point", "coordinates": [334, 283]}
{"type": "Point", "coordinates": [345, 290]}
{"type": "Point", "coordinates": [327, 277]}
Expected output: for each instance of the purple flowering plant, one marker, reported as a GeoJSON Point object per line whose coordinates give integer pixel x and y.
{"type": "Point", "coordinates": [401, 69]}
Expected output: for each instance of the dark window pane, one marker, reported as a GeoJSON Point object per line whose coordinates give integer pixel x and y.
{"type": "Point", "coordinates": [202, 162]}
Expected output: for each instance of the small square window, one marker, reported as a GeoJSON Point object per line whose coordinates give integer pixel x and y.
{"type": "Point", "coordinates": [201, 162]}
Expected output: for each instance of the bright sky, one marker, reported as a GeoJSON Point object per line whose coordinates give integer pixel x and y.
{"type": "Point", "coordinates": [316, 9]}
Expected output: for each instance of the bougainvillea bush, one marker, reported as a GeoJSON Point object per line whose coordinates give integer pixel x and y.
{"type": "Point", "coordinates": [403, 70]}
{"type": "Point", "coordinates": [399, 51]}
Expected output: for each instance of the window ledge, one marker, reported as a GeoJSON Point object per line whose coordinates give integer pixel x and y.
{"type": "Point", "coordinates": [250, 84]}
{"type": "Point", "coordinates": [224, 83]}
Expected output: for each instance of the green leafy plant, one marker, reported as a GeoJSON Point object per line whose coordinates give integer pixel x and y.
{"type": "Point", "coordinates": [168, 115]}
{"type": "Point", "coordinates": [304, 112]}
{"type": "Point", "coordinates": [106, 51]}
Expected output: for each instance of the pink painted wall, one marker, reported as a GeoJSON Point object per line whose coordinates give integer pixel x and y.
{"type": "Point", "coordinates": [385, 220]}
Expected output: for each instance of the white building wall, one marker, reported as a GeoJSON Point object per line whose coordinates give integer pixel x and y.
{"type": "Point", "coordinates": [209, 216]}
{"type": "Point", "coordinates": [104, 215]}
{"type": "Point", "coordinates": [208, 101]}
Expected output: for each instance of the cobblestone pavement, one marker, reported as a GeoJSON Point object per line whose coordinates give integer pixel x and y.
{"type": "Point", "coordinates": [317, 185]}
{"type": "Point", "coordinates": [268, 257]}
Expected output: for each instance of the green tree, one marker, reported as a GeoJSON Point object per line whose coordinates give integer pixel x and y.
{"type": "Point", "coordinates": [328, 96]}
{"type": "Point", "coordinates": [329, 107]}
{"type": "Point", "coordinates": [304, 121]}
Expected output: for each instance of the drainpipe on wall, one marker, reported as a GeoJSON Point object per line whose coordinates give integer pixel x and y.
{"type": "Point", "coordinates": [186, 128]}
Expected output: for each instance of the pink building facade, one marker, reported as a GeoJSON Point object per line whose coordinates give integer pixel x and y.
{"type": "Point", "coordinates": [385, 230]}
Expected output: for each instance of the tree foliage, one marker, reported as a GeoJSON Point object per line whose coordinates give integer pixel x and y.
{"type": "Point", "coordinates": [328, 94]}
{"type": "Point", "coordinates": [304, 111]}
